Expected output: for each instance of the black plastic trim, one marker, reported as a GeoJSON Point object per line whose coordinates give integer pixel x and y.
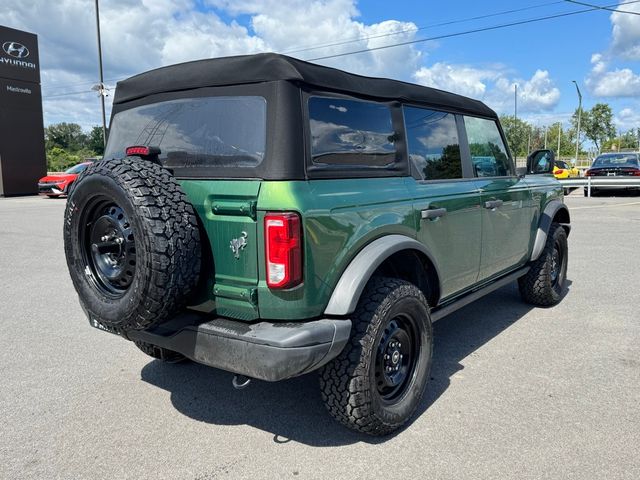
{"type": "Point", "coordinates": [268, 351]}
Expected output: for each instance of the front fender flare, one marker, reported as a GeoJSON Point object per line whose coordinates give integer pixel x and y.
{"type": "Point", "coordinates": [546, 219]}
{"type": "Point", "coordinates": [349, 288]}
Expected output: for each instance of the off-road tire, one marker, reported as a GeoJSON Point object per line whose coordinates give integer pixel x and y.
{"type": "Point", "coordinates": [348, 384]}
{"type": "Point", "coordinates": [538, 286]}
{"type": "Point", "coordinates": [160, 228]}
{"type": "Point", "coordinates": [159, 353]}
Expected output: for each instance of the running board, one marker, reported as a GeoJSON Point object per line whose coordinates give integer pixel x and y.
{"type": "Point", "coordinates": [441, 312]}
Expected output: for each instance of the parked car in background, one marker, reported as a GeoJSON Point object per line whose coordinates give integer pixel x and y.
{"type": "Point", "coordinates": [563, 170]}
{"type": "Point", "coordinates": [617, 165]}
{"type": "Point", "coordinates": [58, 184]}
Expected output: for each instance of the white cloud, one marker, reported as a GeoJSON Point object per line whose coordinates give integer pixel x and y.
{"type": "Point", "coordinates": [625, 42]}
{"type": "Point", "coordinates": [139, 35]}
{"type": "Point", "coordinates": [628, 118]}
{"type": "Point", "coordinates": [493, 85]}
{"type": "Point", "coordinates": [609, 81]}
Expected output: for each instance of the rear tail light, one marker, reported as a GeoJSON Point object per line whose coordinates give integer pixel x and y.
{"type": "Point", "coordinates": [559, 171]}
{"type": "Point", "coordinates": [588, 173]}
{"type": "Point", "coordinates": [141, 151]}
{"type": "Point", "coordinates": [636, 173]}
{"type": "Point", "coordinates": [283, 249]}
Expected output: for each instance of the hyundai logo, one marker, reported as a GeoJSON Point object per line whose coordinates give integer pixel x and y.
{"type": "Point", "coordinates": [15, 49]}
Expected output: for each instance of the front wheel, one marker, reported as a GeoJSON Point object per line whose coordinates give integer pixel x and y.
{"type": "Point", "coordinates": [544, 282]}
{"type": "Point", "coordinates": [375, 385]}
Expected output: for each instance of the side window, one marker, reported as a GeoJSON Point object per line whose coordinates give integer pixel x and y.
{"type": "Point", "coordinates": [432, 141]}
{"type": "Point", "coordinates": [488, 152]}
{"type": "Point", "coordinates": [351, 132]}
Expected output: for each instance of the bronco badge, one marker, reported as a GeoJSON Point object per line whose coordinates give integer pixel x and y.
{"type": "Point", "coordinates": [238, 244]}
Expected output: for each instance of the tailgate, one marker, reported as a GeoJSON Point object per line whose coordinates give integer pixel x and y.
{"type": "Point", "coordinates": [227, 209]}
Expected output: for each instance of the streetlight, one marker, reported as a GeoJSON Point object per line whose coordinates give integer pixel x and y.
{"type": "Point", "coordinates": [100, 87]}
{"type": "Point", "coordinates": [579, 117]}
{"type": "Point", "coordinates": [515, 101]}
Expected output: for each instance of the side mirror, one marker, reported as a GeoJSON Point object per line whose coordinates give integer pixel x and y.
{"type": "Point", "coordinates": [540, 162]}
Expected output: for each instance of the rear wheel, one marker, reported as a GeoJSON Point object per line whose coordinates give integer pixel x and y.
{"type": "Point", "coordinates": [375, 385]}
{"type": "Point", "coordinates": [132, 244]}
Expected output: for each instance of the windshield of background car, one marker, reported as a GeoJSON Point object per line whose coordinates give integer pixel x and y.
{"type": "Point", "coordinates": [76, 168]}
{"type": "Point", "coordinates": [351, 132]}
{"type": "Point", "coordinates": [561, 164]}
{"type": "Point", "coordinates": [195, 132]}
{"type": "Point", "coordinates": [618, 160]}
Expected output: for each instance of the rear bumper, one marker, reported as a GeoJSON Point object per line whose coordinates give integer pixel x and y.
{"type": "Point", "coordinates": [268, 351]}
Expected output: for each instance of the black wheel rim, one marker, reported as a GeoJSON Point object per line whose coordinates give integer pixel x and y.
{"type": "Point", "coordinates": [556, 265]}
{"type": "Point", "coordinates": [108, 246]}
{"type": "Point", "coordinates": [396, 358]}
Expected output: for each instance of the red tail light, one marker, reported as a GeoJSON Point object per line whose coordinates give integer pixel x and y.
{"type": "Point", "coordinates": [636, 173]}
{"type": "Point", "coordinates": [141, 151]}
{"type": "Point", "coordinates": [283, 249]}
{"type": "Point", "coordinates": [588, 173]}
{"type": "Point", "coordinates": [559, 171]}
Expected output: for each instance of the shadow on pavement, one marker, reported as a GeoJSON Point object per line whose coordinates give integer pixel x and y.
{"type": "Point", "coordinates": [293, 410]}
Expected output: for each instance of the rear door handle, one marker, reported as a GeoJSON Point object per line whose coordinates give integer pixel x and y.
{"type": "Point", "coordinates": [433, 213]}
{"type": "Point", "coordinates": [493, 204]}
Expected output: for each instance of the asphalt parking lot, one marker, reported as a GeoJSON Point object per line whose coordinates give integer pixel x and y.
{"type": "Point", "coordinates": [517, 392]}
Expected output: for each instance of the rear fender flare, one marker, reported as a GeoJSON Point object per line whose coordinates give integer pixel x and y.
{"type": "Point", "coordinates": [546, 219]}
{"type": "Point", "coordinates": [349, 288]}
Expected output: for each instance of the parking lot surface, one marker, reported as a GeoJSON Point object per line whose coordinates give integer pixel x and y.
{"type": "Point", "coordinates": [517, 392]}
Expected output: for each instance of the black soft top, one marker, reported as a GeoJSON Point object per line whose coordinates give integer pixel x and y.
{"type": "Point", "coordinates": [268, 67]}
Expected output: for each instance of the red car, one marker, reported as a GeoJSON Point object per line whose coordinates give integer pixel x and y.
{"type": "Point", "coordinates": [58, 184]}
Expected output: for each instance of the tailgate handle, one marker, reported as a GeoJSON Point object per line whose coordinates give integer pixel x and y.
{"type": "Point", "coordinates": [493, 204]}
{"type": "Point", "coordinates": [433, 213]}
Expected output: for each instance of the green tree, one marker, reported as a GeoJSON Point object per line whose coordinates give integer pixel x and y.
{"type": "Point", "coordinates": [597, 123]}
{"type": "Point", "coordinates": [625, 141]}
{"type": "Point", "coordinates": [58, 159]}
{"type": "Point", "coordinates": [517, 133]}
{"type": "Point", "coordinates": [68, 136]}
{"type": "Point", "coordinates": [94, 141]}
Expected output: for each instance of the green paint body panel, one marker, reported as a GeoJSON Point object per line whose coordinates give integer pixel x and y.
{"type": "Point", "coordinates": [470, 244]}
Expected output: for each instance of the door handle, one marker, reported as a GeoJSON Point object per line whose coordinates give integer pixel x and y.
{"type": "Point", "coordinates": [493, 204]}
{"type": "Point", "coordinates": [433, 213]}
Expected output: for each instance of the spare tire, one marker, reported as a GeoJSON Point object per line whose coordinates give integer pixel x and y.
{"type": "Point", "coordinates": [132, 244]}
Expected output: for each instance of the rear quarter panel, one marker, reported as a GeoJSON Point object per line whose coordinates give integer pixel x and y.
{"type": "Point", "coordinates": [339, 218]}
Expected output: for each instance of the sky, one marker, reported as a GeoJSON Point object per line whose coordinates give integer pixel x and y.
{"type": "Point", "coordinates": [598, 49]}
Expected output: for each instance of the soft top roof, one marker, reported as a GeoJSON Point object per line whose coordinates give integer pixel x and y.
{"type": "Point", "coordinates": [267, 67]}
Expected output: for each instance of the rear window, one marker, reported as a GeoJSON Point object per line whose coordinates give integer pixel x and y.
{"type": "Point", "coordinates": [351, 132]}
{"type": "Point", "coordinates": [195, 132]}
{"type": "Point", "coordinates": [616, 160]}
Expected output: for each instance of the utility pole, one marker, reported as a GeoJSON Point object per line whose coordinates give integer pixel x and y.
{"type": "Point", "coordinates": [101, 88]}
{"type": "Point", "coordinates": [515, 102]}
{"type": "Point", "coordinates": [529, 143]}
{"type": "Point", "coordinates": [559, 137]}
{"type": "Point", "coordinates": [579, 118]}
{"type": "Point", "coordinates": [545, 137]}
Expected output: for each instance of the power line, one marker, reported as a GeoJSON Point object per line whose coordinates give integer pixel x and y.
{"type": "Point", "coordinates": [467, 32]}
{"type": "Point", "coordinates": [604, 8]}
{"type": "Point", "coordinates": [67, 94]}
{"type": "Point", "coordinates": [451, 22]}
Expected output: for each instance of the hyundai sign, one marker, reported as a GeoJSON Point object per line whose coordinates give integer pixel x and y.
{"type": "Point", "coordinates": [22, 158]}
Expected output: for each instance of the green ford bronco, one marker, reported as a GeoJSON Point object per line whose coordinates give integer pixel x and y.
{"type": "Point", "coordinates": [270, 217]}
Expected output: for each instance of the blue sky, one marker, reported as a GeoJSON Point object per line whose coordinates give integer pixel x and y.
{"type": "Point", "coordinates": [599, 49]}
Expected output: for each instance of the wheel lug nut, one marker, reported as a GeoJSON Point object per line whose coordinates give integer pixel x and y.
{"type": "Point", "coordinates": [399, 345]}
{"type": "Point", "coordinates": [386, 357]}
{"type": "Point", "coordinates": [104, 238]}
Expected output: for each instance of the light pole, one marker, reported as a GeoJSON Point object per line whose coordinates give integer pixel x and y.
{"type": "Point", "coordinates": [545, 137]}
{"type": "Point", "coordinates": [101, 88]}
{"type": "Point", "coordinates": [579, 118]}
